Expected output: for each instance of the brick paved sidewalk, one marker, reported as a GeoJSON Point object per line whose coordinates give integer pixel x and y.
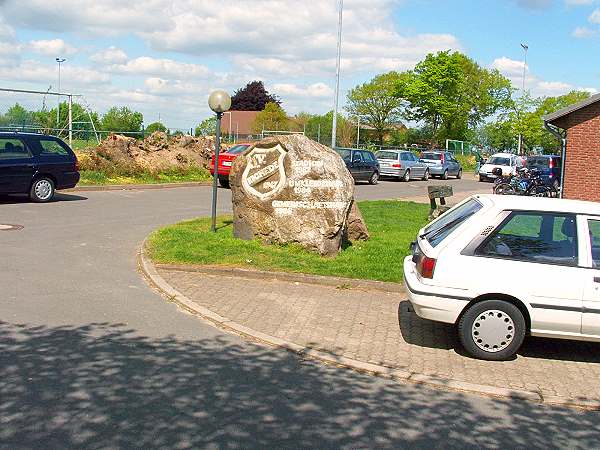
{"type": "Point", "coordinates": [380, 328]}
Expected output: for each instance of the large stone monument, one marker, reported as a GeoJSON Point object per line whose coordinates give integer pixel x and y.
{"type": "Point", "coordinates": [291, 189]}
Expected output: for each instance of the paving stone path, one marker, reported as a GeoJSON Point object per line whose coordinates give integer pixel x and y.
{"type": "Point", "coordinates": [381, 328]}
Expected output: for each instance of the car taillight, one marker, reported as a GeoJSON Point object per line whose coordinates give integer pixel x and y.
{"type": "Point", "coordinates": [551, 164]}
{"type": "Point", "coordinates": [426, 267]}
{"type": "Point", "coordinates": [397, 165]}
{"type": "Point", "coordinates": [442, 158]}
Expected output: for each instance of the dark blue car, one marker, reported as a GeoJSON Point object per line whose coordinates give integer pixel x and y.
{"type": "Point", "coordinates": [548, 166]}
{"type": "Point", "coordinates": [362, 164]}
{"type": "Point", "coordinates": [36, 164]}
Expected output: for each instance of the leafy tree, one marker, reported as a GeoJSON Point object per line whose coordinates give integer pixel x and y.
{"type": "Point", "coordinates": [252, 97]}
{"type": "Point", "coordinates": [272, 118]}
{"type": "Point", "coordinates": [376, 103]}
{"type": "Point", "coordinates": [451, 93]}
{"type": "Point", "coordinates": [207, 127]}
{"type": "Point", "coordinates": [155, 126]}
{"type": "Point", "coordinates": [17, 115]}
{"type": "Point", "coordinates": [122, 120]}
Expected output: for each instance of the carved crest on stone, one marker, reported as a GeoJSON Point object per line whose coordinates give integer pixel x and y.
{"type": "Point", "coordinates": [264, 175]}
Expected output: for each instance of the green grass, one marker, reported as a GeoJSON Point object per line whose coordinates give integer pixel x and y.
{"type": "Point", "coordinates": [392, 224]}
{"type": "Point", "coordinates": [193, 174]}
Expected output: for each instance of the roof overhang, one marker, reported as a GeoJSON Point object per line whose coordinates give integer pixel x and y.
{"type": "Point", "coordinates": [549, 118]}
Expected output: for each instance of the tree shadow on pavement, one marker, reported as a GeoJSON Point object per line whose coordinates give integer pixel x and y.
{"type": "Point", "coordinates": [58, 197]}
{"type": "Point", "coordinates": [104, 386]}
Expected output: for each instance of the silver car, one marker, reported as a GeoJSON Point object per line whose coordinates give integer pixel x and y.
{"type": "Point", "coordinates": [441, 164]}
{"type": "Point", "coordinates": [402, 165]}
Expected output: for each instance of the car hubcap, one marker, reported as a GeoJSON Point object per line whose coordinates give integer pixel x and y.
{"type": "Point", "coordinates": [493, 331]}
{"type": "Point", "coordinates": [43, 189]}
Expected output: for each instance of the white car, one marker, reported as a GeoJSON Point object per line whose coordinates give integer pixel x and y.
{"type": "Point", "coordinates": [503, 267]}
{"type": "Point", "coordinates": [508, 162]}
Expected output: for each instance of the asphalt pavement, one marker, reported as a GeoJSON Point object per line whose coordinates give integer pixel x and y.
{"type": "Point", "coordinates": [91, 357]}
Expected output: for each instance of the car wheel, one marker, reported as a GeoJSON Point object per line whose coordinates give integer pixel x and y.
{"type": "Point", "coordinates": [42, 190]}
{"type": "Point", "coordinates": [426, 175]}
{"type": "Point", "coordinates": [504, 189]}
{"type": "Point", "coordinates": [224, 182]}
{"type": "Point", "coordinates": [445, 176]}
{"type": "Point", "coordinates": [374, 178]}
{"type": "Point", "coordinates": [406, 176]}
{"type": "Point", "coordinates": [493, 330]}
{"type": "Point", "coordinates": [459, 174]}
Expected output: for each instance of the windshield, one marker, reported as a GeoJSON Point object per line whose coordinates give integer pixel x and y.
{"type": "Point", "coordinates": [499, 161]}
{"type": "Point", "coordinates": [386, 155]}
{"type": "Point", "coordinates": [449, 221]}
{"type": "Point", "coordinates": [237, 149]}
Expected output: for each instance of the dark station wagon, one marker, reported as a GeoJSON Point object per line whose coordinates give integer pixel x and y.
{"type": "Point", "coordinates": [36, 164]}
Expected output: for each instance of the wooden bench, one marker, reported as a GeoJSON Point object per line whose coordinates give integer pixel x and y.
{"type": "Point", "coordinates": [440, 192]}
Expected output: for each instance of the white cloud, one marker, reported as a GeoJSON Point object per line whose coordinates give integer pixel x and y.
{"type": "Point", "coordinates": [595, 16]}
{"type": "Point", "coordinates": [583, 32]}
{"type": "Point", "coordinates": [111, 55]}
{"type": "Point", "coordinates": [51, 47]}
{"type": "Point", "coordinates": [73, 77]}
{"type": "Point", "coordinates": [509, 67]}
{"type": "Point", "coordinates": [9, 47]}
{"type": "Point", "coordinates": [316, 90]}
{"type": "Point", "coordinates": [166, 68]}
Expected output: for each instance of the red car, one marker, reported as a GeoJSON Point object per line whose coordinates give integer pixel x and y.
{"type": "Point", "coordinates": [225, 160]}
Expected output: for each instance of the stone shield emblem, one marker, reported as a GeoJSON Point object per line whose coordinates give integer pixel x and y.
{"type": "Point", "coordinates": [264, 175]}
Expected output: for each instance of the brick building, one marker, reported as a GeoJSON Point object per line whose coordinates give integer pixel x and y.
{"type": "Point", "coordinates": [238, 124]}
{"type": "Point", "coordinates": [578, 126]}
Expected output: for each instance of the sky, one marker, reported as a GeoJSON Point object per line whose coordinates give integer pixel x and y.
{"type": "Point", "coordinates": [164, 57]}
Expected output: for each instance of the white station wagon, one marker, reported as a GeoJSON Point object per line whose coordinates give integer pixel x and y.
{"type": "Point", "coordinates": [501, 267]}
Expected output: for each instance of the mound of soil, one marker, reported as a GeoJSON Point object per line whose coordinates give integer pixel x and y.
{"type": "Point", "coordinates": [157, 153]}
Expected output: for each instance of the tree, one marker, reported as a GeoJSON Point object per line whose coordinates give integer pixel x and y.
{"type": "Point", "coordinates": [272, 118]}
{"type": "Point", "coordinates": [207, 127]}
{"type": "Point", "coordinates": [451, 93]}
{"type": "Point", "coordinates": [122, 120]}
{"type": "Point", "coordinates": [17, 115]}
{"type": "Point", "coordinates": [252, 97]}
{"type": "Point", "coordinates": [155, 126]}
{"type": "Point", "coordinates": [376, 103]}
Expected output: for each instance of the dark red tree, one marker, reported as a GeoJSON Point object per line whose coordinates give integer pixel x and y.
{"type": "Point", "coordinates": [253, 97]}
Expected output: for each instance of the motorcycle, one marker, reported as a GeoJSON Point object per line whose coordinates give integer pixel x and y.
{"type": "Point", "coordinates": [526, 182]}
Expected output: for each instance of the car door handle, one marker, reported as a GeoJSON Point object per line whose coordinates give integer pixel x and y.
{"type": "Point", "coordinates": [596, 279]}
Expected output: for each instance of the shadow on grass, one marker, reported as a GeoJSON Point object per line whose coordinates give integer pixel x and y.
{"type": "Point", "coordinates": [104, 386]}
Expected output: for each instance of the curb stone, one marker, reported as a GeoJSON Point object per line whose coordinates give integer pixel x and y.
{"type": "Point", "coordinates": [148, 270]}
{"type": "Point", "coordinates": [131, 187]}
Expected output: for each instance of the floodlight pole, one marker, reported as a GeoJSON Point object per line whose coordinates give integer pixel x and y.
{"type": "Point", "coordinates": [59, 61]}
{"type": "Point", "coordinates": [525, 48]}
{"type": "Point", "coordinates": [70, 121]}
{"type": "Point", "coordinates": [337, 75]}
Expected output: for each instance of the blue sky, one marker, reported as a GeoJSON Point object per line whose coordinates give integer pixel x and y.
{"type": "Point", "coordinates": [163, 57]}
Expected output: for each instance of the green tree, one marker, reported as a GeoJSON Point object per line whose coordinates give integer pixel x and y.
{"type": "Point", "coordinates": [17, 115]}
{"type": "Point", "coordinates": [272, 118]}
{"type": "Point", "coordinates": [450, 93]}
{"type": "Point", "coordinates": [376, 103]}
{"type": "Point", "coordinates": [207, 127]}
{"type": "Point", "coordinates": [122, 120]}
{"type": "Point", "coordinates": [155, 126]}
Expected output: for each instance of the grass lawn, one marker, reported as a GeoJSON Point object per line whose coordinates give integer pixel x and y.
{"type": "Point", "coordinates": [93, 177]}
{"type": "Point", "coordinates": [392, 224]}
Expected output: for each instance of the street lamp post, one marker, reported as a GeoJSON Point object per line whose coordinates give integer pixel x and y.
{"type": "Point", "coordinates": [525, 48]}
{"type": "Point", "coordinates": [219, 101]}
{"type": "Point", "coordinates": [59, 61]}
{"type": "Point", "coordinates": [337, 74]}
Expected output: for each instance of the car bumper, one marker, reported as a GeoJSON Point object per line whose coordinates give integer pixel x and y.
{"type": "Point", "coordinates": [391, 172]}
{"type": "Point", "coordinates": [68, 180]}
{"type": "Point", "coordinates": [222, 172]}
{"type": "Point", "coordinates": [436, 170]}
{"type": "Point", "coordinates": [429, 304]}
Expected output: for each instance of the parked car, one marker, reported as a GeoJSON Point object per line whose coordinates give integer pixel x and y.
{"type": "Point", "coordinates": [36, 164]}
{"type": "Point", "coordinates": [548, 166]}
{"type": "Point", "coordinates": [503, 267]}
{"type": "Point", "coordinates": [225, 161]}
{"type": "Point", "coordinates": [362, 164]}
{"type": "Point", "coordinates": [441, 164]}
{"type": "Point", "coordinates": [402, 165]}
{"type": "Point", "coordinates": [507, 162]}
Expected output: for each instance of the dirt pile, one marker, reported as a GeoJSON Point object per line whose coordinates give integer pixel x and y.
{"type": "Point", "coordinates": [157, 153]}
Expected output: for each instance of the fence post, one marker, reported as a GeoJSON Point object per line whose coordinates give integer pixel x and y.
{"type": "Point", "coordinates": [70, 121]}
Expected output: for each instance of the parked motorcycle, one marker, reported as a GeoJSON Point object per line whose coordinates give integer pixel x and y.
{"type": "Point", "coordinates": [526, 182]}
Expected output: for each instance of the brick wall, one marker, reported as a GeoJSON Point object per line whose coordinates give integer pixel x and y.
{"type": "Point", "coordinates": [582, 170]}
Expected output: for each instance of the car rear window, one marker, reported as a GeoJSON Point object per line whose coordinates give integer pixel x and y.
{"type": "Point", "coordinates": [237, 149]}
{"type": "Point", "coordinates": [387, 155]}
{"type": "Point", "coordinates": [345, 154]}
{"type": "Point", "coordinates": [499, 161]}
{"type": "Point", "coordinates": [50, 147]}
{"type": "Point", "coordinates": [538, 161]}
{"type": "Point", "coordinates": [429, 155]}
{"type": "Point", "coordinates": [449, 221]}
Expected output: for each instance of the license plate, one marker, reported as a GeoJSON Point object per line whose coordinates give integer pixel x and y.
{"type": "Point", "coordinates": [227, 163]}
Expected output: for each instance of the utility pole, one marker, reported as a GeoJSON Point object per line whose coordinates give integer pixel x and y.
{"type": "Point", "coordinates": [525, 48]}
{"type": "Point", "coordinates": [59, 61]}
{"type": "Point", "coordinates": [358, 131]}
{"type": "Point", "coordinates": [337, 74]}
